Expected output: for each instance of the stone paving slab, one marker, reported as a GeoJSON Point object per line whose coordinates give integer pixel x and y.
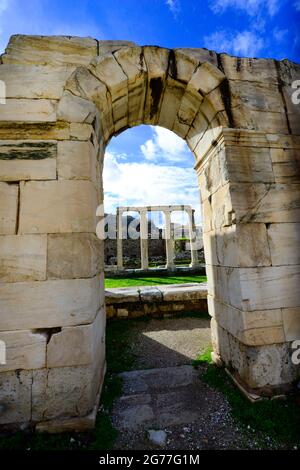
{"type": "Point", "coordinates": [158, 398]}
{"type": "Point", "coordinates": [166, 292]}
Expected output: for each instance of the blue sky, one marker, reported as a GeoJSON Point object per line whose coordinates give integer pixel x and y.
{"type": "Point", "coordinates": [147, 165]}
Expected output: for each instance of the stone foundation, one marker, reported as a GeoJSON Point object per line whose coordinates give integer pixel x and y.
{"type": "Point", "coordinates": [160, 301]}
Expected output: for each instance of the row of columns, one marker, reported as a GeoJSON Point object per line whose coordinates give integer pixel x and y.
{"type": "Point", "coordinates": [168, 234]}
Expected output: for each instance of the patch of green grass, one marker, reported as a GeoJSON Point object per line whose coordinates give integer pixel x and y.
{"type": "Point", "coordinates": [205, 356]}
{"type": "Point", "coordinates": [120, 336]}
{"type": "Point", "coordinates": [277, 419]}
{"type": "Point", "coordinates": [151, 281]}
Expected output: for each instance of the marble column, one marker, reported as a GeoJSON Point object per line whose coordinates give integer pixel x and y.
{"type": "Point", "coordinates": [144, 239]}
{"type": "Point", "coordinates": [192, 236]}
{"type": "Point", "coordinates": [119, 239]}
{"type": "Point", "coordinates": [169, 241]}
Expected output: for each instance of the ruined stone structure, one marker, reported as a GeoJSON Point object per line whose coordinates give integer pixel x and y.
{"type": "Point", "coordinates": [167, 210]}
{"type": "Point", "coordinates": [155, 301]}
{"type": "Point", "coordinates": [66, 97]}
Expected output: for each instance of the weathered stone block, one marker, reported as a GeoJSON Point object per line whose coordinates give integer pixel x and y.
{"type": "Point", "coordinates": [174, 91]}
{"type": "Point", "coordinates": [23, 258]}
{"type": "Point", "coordinates": [220, 341]}
{"type": "Point", "coordinates": [74, 255]}
{"type": "Point", "coordinates": [286, 165]}
{"type": "Point", "coordinates": [113, 45]}
{"type": "Point", "coordinates": [264, 366]}
{"type": "Point", "coordinates": [291, 323]}
{"type": "Point", "coordinates": [34, 131]}
{"type": "Point", "coordinates": [270, 287]}
{"type": "Point", "coordinates": [206, 77]}
{"type": "Point", "coordinates": [222, 207]}
{"type": "Point", "coordinates": [268, 203]}
{"type": "Point", "coordinates": [157, 60]}
{"type": "Point", "coordinates": [84, 84]}
{"type": "Point", "coordinates": [272, 122]}
{"type": "Point", "coordinates": [224, 284]}
{"type": "Point", "coordinates": [54, 50]}
{"type": "Point", "coordinates": [133, 64]}
{"type": "Point", "coordinates": [259, 288]}
{"type": "Point", "coordinates": [34, 81]}
{"type": "Point", "coordinates": [58, 206]}
{"type": "Point", "coordinates": [49, 304]}
{"type": "Point", "coordinates": [115, 296]}
{"type": "Point", "coordinates": [241, 245]}
{"type": "Point", "coordinates": [251, 328]}
{"type": "Point", "coordinates": [245, 164]}
{"type": "Point", "coordinates": [188, 109]}
{"type": "Point", "coordinates": [15, 397]}
{"type": "Point", "coordinates": [260, 96]}
{"type": "Point", "coordinates": [76, 109]}
{"type": "Point", "coordinates": [8, 207]}
{"type": "Point", "coordinates": [122, 312]}
{"type": "Point", "coordinates": [181, 293]}
{"type": "Point", "coordinates": [76, 160]}
{"type": "Point", "coordinates": [23, 110]}
{"type": "Point", "coordinates": [210, 177]}
{"type": "Point", "coordinates": [249, 70]}
{"type": "Point", "coordinates": [81, 131]}
{"type": "Point", "coordinates": [27, 160]}
{"type": "Point", "coordinates": [76, 345]}
{"type": "Point", "coordinates": [284, 241]}
{"type": "Point", "coordinates": [109, 71]}
{"type": "Point", "coordinates": [62, 391]}
{"type": "Point", "coordinates": [197, 131]}
{"type": "Point", "coordinates": [24, 350]}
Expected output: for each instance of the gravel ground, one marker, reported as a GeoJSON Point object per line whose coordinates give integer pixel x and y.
{"type": "Point", "coordinates": [169, 342]}
{"type": "Point", "coordinates": [165, 404]}
{"type": "Point", "coordinates": [166, 393]}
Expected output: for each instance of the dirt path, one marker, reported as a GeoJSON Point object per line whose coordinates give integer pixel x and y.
{"type": "Point", "coordinates": [174, 400]}
{"type": "Point", "coordinates": [169, 342]}
{"type": "Point", "coordinates": [166, 392]}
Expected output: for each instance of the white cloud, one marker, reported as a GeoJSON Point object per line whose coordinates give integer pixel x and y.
{"type": "Point", "coordinates": [127, 183]}
{"type": "Point", "coordinates": [251, 7]}
{"type": "Point", "coordinates": [149, 150]}
{"type": "Point", "coordinates": [297, 5]}
{"type": "Point", "coordinates": [245, 43]}
{"type": "Point", "coordinates": [165, 145]}
{"type": "Point", "coordinates": [174, 6]}
{"type": "Point", "coordinates": [4, 4]}
{"type": "Point", "coordinates": [279, 34]}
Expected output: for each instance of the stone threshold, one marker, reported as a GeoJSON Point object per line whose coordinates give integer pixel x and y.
{"type": "Point", "coordinates": [160, 300]}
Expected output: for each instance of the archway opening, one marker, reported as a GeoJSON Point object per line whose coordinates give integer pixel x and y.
{"type": "Point", "coordinates": [151, 168]}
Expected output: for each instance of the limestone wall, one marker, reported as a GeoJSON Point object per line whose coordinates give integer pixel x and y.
{"type": "Point", "coordinates": [66, 97]}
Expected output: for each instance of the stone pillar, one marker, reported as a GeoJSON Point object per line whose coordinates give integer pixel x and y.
{"type": "Point", "coordinates": [251, 242]}
{"type": "Point", "coordinates": [144, 238]}
{"type": "Point", "coordinates": [192, 235]}
{"type": "Point", "coordinates": [169, 241]}
{"type": "Point", "coordinates": [119, 239]}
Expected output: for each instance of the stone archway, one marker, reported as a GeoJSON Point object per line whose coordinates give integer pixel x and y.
{"type": "Point", "coordinates": [66, 98]}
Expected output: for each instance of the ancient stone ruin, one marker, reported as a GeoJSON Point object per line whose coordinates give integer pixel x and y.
{"type": "Point", "coordinates": [167, 210]}
{"type": "Point", "coordinates": [65, 98]}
